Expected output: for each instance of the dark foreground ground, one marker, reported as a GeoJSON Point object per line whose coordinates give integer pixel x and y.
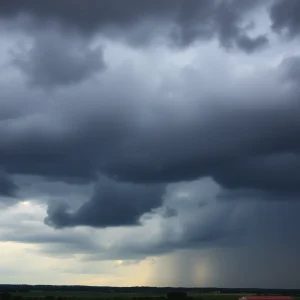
{"type": "Point", "coordinates": [26, 292]}
{"type": "Point", "coordinates": [116, 296]}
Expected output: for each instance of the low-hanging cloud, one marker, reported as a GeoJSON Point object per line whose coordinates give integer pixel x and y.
{"type": "Point", "coordinates": [7, 187]}
{"type": "Point", "coordinates": [113, 204]}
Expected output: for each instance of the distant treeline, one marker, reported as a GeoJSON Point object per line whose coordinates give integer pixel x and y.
{"type": "Point", "coordinates": [142, 289]}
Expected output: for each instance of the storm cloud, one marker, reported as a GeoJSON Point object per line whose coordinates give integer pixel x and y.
{"type": "Point", "coordinates": [136, 129]}
{"type": "Point", "coordinates": [56, 59]}
{"type": "Point", "coordinates": [182, 22]}
{"type": "Point", "coordinates": [7, 187]}
{"type": "Point", "coordinates": [127, 128]}
{"type": "Point", "coordinates": [285, 17]}
{"type": "Point", "coordinates": [133, 140]}
{"type": "Point", "coordinates": [113, 204]}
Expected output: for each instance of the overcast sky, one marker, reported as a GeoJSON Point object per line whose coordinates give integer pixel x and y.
{"type": "Point", "coordinates": [150, 142]}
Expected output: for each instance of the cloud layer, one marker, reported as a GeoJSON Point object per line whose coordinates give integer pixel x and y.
{"type": "Point", "coordinates": [184, 22]}
{"type": "Point", "coordinates": [155, 127]}
{"type": "Point", "coordinates": [7, 186]}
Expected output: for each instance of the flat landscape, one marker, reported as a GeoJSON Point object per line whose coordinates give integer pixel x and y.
{"type": "Point", "coordinates": [97, 295]}
{"type": "Point", "coordinates": [65, 295]}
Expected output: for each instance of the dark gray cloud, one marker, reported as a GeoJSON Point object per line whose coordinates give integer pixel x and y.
{"type": "Point", "coordinates": [127, 127]}
{"type": "Point", "coordinates": [277, 174]}
{"type": "Point", "coordinates": [285, 16]}
{"type": "Point", "coordinates": [251, 44]}
{"type": "Point", "coordinates": [231, 32]}
{"type": "Point", "coordinates": [112, 131]}
{"type": "Point", "coordinates": [113, 204]}
{"type": "Point", "coordinates": [183, 22]}
{"type": "Point", "coordinates": [7, 187]}
{"type": "Point", "coordinates": [67, 134]}
{"type": "Point", "coordinates": [261, 133]}
{"type": "Point", "coordinates": [57, 59]}
{"type": "Point", "coordinates": [270, 134]}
